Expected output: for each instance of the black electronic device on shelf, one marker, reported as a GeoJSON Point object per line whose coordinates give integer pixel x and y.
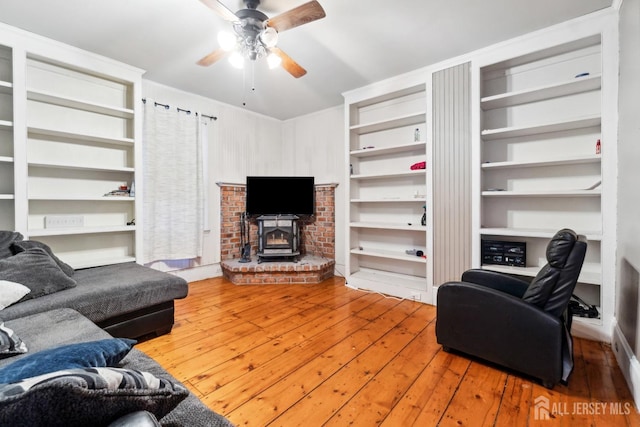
{"type": "Point", "coordinates": [499, 252]}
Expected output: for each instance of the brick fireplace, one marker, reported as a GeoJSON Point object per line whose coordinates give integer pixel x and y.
{"type": "Point", "coordinates": [316, 243]}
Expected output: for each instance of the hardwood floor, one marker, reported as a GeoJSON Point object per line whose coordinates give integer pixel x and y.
{"type": "Point", "coordinates": [286, 355]}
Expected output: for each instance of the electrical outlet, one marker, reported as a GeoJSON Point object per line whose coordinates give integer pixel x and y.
{"type": "Point", "coordinates": [415, 296]}
{"type": "Point", "coordinates": [63, 221]}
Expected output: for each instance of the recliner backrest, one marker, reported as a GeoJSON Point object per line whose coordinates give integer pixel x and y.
{"type": "Point", "coordinates": [552, 287]}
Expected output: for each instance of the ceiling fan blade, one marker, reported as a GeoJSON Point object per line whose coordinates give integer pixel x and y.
{"type": "Point", "coordinates": [289, 64]}
{"type": "Point", "coordinates": [213, 57]}
{"type": "Point", "coordinates": [303, 14]}
{"type": "Point", "coordinates": [220, 9]}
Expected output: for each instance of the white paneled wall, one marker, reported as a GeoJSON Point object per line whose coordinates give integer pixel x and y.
{"type": "Point", "coordinates": [314, 145]}
{"type": "Point", "coordinates": [451, 173]}
{"type": "Point", "coordinates": [248, 144]}
{"type": "Point", "coordinates": [241, 143]}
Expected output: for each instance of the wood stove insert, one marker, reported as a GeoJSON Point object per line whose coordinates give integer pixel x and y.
{"type": "Point", "coordinates": [278, 237]}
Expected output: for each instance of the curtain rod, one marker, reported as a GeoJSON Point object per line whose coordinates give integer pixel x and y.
{"type": "Point", "coordinates": [167, 106]}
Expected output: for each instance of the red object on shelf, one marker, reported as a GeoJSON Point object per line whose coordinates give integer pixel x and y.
{"type": "Point", "coordinates": [598, 147]}
{"type": "Point", "coordinates": [419, 165]}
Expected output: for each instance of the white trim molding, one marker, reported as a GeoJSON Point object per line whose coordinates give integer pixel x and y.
{"type": "Point", "coordinates": [627, 361]}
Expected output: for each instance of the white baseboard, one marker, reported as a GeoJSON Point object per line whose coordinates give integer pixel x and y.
{"type": "Point", "coordinates": [388, 290]}
{"type": "Point", "coordinates": [585, 328]}
{"type": "Point", "coordinates": [629, 364]}
{"type": "Point", "coordinates": [194, 274]}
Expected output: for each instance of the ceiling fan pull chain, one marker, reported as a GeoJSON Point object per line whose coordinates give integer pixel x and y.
{"type": "Point", "coordinates": [244, 87]}
{"type": "Point", "coordinates": [244, 83]}
{"type": "Point", "coordinates": [253, 76]}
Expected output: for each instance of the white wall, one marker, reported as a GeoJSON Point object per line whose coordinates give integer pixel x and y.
{"type": "Point", "coordinates": [627, 303]}
{"type": "Point", "coordinates": [314, 145]}
{"type": "Point", "coordinates": [241, 143]}
{"type": "Point", "coordinates": [627, 334]}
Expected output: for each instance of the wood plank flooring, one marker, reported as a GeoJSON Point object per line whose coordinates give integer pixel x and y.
{"type": "Point", "coordinates": [315, 355]}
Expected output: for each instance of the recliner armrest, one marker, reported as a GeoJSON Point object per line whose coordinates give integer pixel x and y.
{"type": "Point", "coordinates": [495, 280]}
{"type": "Point", "coordinates": [493, 303]}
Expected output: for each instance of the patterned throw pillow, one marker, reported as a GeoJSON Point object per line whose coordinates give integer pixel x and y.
{"type": "Point", "coordinates": [10, 343]}
{"type": "Point", "coordinates": [89, 396]}
{"type": "Point", "coordinates": [101, 353]}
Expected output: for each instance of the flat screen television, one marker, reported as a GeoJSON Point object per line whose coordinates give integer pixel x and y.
{"type": "Point", "coordinates": [280, 195]}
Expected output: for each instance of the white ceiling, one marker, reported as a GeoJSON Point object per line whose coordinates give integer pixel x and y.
{"type": "Point", "coordinates": [359, 41]}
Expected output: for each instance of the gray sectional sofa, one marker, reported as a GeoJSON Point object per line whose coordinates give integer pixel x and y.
{"type": "Point", "coordinates": [126, 300]}
{"type": "Point", "coordinates": [67, 307]}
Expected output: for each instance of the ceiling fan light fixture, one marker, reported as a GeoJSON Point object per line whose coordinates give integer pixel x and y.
{"type": "Point", "coordinates": [237, 60]}
{"type": "Point", "coordinates": [256, 34]}
{"type": "Point", "coordinates": [269, 37]}
{"type": "Point", "coordinates": [227, 41]}
{"type": "Point", "coordinates": [273, 60]}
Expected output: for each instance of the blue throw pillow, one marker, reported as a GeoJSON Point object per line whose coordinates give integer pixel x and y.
{"type": "Point", "coordinates": [98, 354]}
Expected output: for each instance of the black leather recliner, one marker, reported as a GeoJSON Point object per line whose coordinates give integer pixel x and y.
{"type": "Point", "coordinates": [505, 320]}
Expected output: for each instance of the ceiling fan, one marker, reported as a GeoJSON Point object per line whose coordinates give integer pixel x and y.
{"type": "Point", "coordinates": [256, 35]}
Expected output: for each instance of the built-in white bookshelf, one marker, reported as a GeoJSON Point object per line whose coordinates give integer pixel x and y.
{"type": "Point", "coordinates": [573, 160]}
{"type": "Point", "coordinates": [541, 116]}
{"type": "Point", "coordinates": [80, 104]}
{"type": "Point", "coordinates": [386, 136]}
{"type": "Point", "coordinates": [7, 195]}
{"type": "Point", "coordinates": [70, 133]}
{"type": "Point", "coordinates": [541, 93]}
{"type": "Point", "coordinates": [79, 138]}
{"type": "Point", "coordinates": [80, 147]}
{"type": "Point", "coordinates": [542, 127]}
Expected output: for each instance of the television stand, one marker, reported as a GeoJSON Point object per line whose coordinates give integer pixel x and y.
{"type": "Point", "coordinates": [278, 237]}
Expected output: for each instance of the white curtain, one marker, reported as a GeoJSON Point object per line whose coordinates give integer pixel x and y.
{"type": "Point", "coordinates": [173, 188]}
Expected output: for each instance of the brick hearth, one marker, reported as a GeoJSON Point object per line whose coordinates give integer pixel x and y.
{"type": "Point", "coordinates": [309, 269]}
{"type": "Point", "coordinates": [317, 245]}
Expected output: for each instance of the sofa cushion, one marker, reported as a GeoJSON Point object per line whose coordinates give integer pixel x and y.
{"type": "Point", "coordinates": [63, 326]}
{"type": "Point", "coordinates": [101, 353]}
{"type": "Point", "coordinates": [10, 342]}
{"type": "Point", "coordinates": [6, 240]}
{"type": "Point", "coordinates": [88, 396]}
{"type": "Point", "coordinates": [108, 291]}
{"type": "Point", "coordinates": [23, 245]}
{"type": "Point", "coordinates": [11, 292]}
{"type": "Point", "coordinates": [35, 269]}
